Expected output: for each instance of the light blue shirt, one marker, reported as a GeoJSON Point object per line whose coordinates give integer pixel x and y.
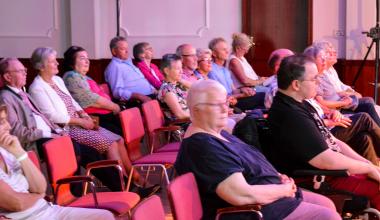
{"type": "Point", "coordinates": [222, 75]}
{"type": "Point", "coordinates": [125, 78]}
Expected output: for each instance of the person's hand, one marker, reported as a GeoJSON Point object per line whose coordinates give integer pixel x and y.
{"type": "Point", "coordinates": [87, 123]}
{"type": "Point", "coordinates": [56, 135]}
{"type": "Point", "coordinates": [290, 187]}
{"type": "Point", "coordinates": [11, 144]}
{"type": "Point", "coordinates": [232, 100]}
{"type": "Point", "coordinates": [115, 109]}
{"type": "Point", "coordinates": [346, 101]}
{"type": "Point", "coordinates": [143, 98]}
{"type": "Point", "coordinates": [343, 122]}
{"type": "Point", "coordinates": [247, 91]}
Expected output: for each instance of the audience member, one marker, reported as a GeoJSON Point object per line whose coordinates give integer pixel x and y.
{"type": "Point", "coordinates": [244, 98]}
{"type": "Point", "coordinates": [189, 61]}
{"type": "Point", "coordinates": [55, 101]}
{"type": "Point", "coordinates": [242, 72]}
{"type": "Point", "coordinates": [87, 92]}
{"type": "Point", "coordinates": [327, 96]}
{"type": "Point", "coordinates": [125, 79]}
{"type": "Point", "coordinates": [302, 139]}
{"type": "Point", "coordinates": [172, 95]}
{"type": "Point", "coordinates": [274, 62]}
{"type": "Point", "coordinates": [143, 54]}
{"type": "Point", "coordinates": [204, 63]}
{"type": "Point", "coordinates": [230, 172]}
{"type": "Point", "coordinates": [23, 186]}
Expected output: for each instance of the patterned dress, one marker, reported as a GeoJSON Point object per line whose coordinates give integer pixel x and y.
{"type": "Point", "coordinates": [100, 139]}
{"type": "Point", "coordinates": [177, 90]}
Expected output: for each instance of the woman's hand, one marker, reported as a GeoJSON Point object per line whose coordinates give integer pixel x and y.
{"type": "Point", "coordinates": [11, 144]}
{"type": "Point", "coordinates": [87, 123]}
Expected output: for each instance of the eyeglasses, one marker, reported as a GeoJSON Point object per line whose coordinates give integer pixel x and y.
{"type": "Point", "coordinates": [207, 60]}
{"type": "Point", "coordinates": [25, 70]}
{"type": "Point", "coordinates": [315, 79]}
{"type": "Point", "coordinates": [220, 105]}
{"type": "Point", "coordinates": [189, 55]}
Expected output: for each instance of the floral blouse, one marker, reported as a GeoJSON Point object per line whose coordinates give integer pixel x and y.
{"type": "Point", "coordinates": [177, 90]}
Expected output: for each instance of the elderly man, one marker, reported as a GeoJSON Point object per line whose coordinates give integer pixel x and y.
{"type": "Point", "coordinates": [274, 62]}
{"type": "Point", "coordinates": [246, 97]}
{"type": "Point", "coordinates": [125, 79]}
{"type": "Point", "coordinates": [189, 61]}
{"type": "Point", "coordinates": [302, 139]}
{"type": "Point", "coordinates": [229, 172]}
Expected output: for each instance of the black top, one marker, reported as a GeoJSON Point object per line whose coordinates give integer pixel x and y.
{"type": "Point", "coordinates": [297, 136]}
{"type": "Point", "coordinates": [212, 160]}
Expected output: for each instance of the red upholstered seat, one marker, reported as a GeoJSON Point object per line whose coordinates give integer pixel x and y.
{"type": "Point", "coordinates": [149, 209]}
{"type": "Point", "coordinates": [154, 120]}
{"type": "Point", "coordinates": [62, 164]}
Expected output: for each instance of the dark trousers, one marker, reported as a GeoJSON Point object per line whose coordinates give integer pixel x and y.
{"type": "Point", "coordinates": [110, 122]}
{"type": "Point", "coordinates": [367, 105]}
{"type": "Point", "coordinates": [363, 136]}
{"type": "Point", "coordinates": [251, 102]}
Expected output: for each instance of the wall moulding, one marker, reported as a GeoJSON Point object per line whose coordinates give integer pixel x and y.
{"type": "Point", "coordinates": [40, 20]}
{"type": "Point", "coordinates": [164, 18]}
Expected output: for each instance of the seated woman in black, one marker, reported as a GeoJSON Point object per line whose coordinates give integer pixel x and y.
{"type": "Point", "coordinates": [230, 172]}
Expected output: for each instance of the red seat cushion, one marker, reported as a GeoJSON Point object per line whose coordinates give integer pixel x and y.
{"type": "Point", "coordinates": [161, 158]}
{"type": "Point", "coordinates": [116, 202]}
{"type": "Point", "coordinates": [170, 147]}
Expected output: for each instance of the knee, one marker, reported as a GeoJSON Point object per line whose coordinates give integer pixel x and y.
{"type": "Point", "coordinates": [329, 214]}
{"type": "Point", "coordinates": [367, 100]}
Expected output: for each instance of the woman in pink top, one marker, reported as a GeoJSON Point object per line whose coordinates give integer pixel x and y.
{"type": "Point", "coordinates": [143, 54]}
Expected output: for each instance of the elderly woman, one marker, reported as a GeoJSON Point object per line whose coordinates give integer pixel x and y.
{"type": "Point", "coordinates": [204, 63]}
{"type": "Point", "coordinates": [172, 95]}
{"type": "Point", "coordinates": [143, 54]}
{"type": "Point", "coordinates": [230, 172]}
{"type": "Point", "coordinates": [87, 92]}
{"type": "Point", "coordinates": [23, 186]}
{"type": "Point", "coordinates": [55, 101]}
{"type": "Point", "coordinates": [242, 72]}
{"type": "Point", "coordinates": [327, 95]}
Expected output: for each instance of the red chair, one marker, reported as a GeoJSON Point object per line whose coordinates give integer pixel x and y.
{"type": "Point", "coordinates": [148, 209]}
{"type": "Point", "coordinates": [155, 121]}
{"type": "Point", "coordinates": [133, 130]}
{"type": "Point", "coordinates": [62, 164]}
{"type": "Point", "coordinates": [185, 201]}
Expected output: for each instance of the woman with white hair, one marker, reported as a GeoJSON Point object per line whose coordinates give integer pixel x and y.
{"type": "Point", "coordinates": [204, 63]}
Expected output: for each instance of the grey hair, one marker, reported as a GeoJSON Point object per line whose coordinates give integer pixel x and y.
{"type": "Point", "coordinates": [203, 51]}
{"type": "Point", "coordinates": [115, 40]}
{"type": "Point", "coordinates": [312, 51]}
{"type": "Point", "coordinates": [4, 64]}
{"type": "Point", "coordinates": [215, 41]}
{"type": "Point", "coordinates": [179, 50]}
{"type": "Point", "coordinates": [325, 45]}
{"type": "Point", "coordinates": [40, 55]}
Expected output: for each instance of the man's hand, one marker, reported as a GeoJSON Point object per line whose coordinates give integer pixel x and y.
{"type": "Point", "coordinates": [247, 91]}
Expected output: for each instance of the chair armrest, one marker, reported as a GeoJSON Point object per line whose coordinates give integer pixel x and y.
{"type": "Point", "coordinates": [72, 179]}
{"type": "Point", "coordinates": [167, 128]}
{"type": "Point", "coordinates": [103, 164]}
{"type": "Point", "coordinates": [179, 121]}
{"type": "Point", "coordinates": [239, 209]}
{"type": "Point", "coordinates": [335, 173]}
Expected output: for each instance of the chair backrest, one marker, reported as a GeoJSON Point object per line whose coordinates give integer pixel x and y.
{"type": "Point", "coordinates": [148, 209]}
{"type": "Point", "coordinates": [106, 89]}
{"type": "Point", "coordinates": [133, 131]}
{"type": "Point", "coordinates": [34, 158]}
{"type": "Point", "coordinates": [184, 198]}
{"type": "Point", "coordinates": [154, 118]}
{"type": "Point", "coordinates": [61, 162]}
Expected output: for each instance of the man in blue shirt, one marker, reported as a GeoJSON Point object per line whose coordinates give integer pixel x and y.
{"type": "Point", "coordinates": [245, 97]}
{"type": "Point", "coordinates": [125, 79]}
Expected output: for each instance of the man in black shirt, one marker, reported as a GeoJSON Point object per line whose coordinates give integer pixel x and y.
{"type": "Point", "coordinates": [302, 140]}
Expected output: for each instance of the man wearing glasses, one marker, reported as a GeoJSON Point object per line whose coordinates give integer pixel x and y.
{"type": "Point", "coordinates": [189, 61]}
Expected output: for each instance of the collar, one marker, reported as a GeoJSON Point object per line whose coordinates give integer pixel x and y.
{"type": "Point", "coordinates": [14, 89]}
{"type": "Point", "coordinates": [128, 61]}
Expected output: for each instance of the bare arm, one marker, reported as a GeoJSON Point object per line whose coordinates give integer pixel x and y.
{"type": "Point", "coordinates": [13, 201]}
{"type": "Point", "coordinates": [36, 181]}
{"type": "Point", "coordinates": [172, 101]}
{"type": "Point", "coordinates": [236, 191]}
{"type": "Point", "coordinates": [102, 102]}
{"type": "Point", "coordinates": [331, 160]}
{"type": "Point", "coordinates": [237, 69]}
{"type": "Point", "coordinates": [334, 104]}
